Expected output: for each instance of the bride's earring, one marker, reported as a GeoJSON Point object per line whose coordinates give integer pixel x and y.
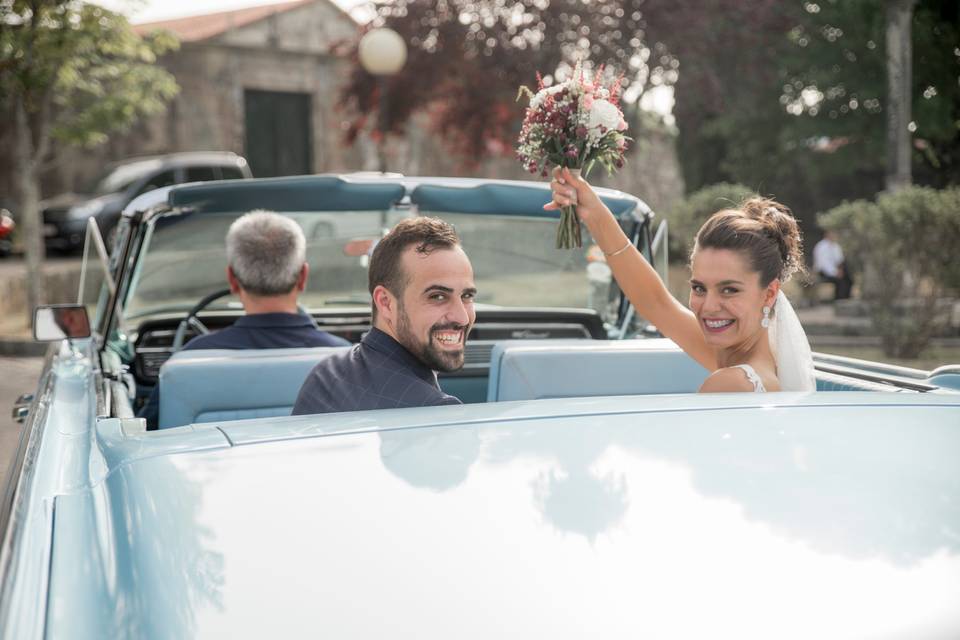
{"type": "Point", "coordinates": [766, 318]}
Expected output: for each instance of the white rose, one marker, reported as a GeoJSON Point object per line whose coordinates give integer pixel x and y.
{"type": "Point", "coordinates": [604, 113]}
{"type": "Point", "coordinates": [543, 93]}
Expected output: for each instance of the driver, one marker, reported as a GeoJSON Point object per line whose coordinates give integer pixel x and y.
{"type": "Point", "coordinates": [267, 270]}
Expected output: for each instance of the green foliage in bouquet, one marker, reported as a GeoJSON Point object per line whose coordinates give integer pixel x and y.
{"type": "Point", "coordinates": [574, 124]}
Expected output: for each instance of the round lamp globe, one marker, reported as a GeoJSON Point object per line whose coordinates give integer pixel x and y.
{"type": "Point", "coordinates": [382, 52]}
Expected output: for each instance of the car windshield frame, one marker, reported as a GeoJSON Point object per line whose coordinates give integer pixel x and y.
{"type": "Point", "coordinates": [287, 195]}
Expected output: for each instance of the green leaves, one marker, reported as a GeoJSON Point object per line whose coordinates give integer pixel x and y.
{"type": "Point", "coordinates": [905, 245]}
{"type": "Point", "coordinates": [80, 70]}
{"type": "Point", "coordinates": [688, 216]}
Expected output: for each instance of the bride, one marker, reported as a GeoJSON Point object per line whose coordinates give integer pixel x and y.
{"type": "Point", "coordinates": [740, 325]}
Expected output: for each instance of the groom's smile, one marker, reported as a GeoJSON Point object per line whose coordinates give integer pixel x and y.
{"type": "Point", "coordinates": [437, 310]}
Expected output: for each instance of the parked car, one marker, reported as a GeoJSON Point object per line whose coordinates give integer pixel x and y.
{"type": "Point", "coordinates": [65, 216]}
{"type": "Point", "coordinates": [7, 225]}
{"type": "Point", "coordinates": [583, 491]}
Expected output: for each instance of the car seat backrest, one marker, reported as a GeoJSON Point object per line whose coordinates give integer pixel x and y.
{"type": "Point", "coordinates": [209, 385]}
{"type": "Point", "coordinates": [531, 370]}
{"type": "Point", "coordinates": [835, 382]}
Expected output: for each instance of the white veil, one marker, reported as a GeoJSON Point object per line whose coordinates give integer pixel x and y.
{"type": "Point", "coordinates": [790, 348]}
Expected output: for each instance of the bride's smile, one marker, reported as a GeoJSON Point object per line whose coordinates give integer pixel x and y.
{"type": "Point", "coordinates": [726, 297]}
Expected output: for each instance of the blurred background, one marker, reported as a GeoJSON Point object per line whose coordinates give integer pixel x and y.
{"type": "Point", "coordinates": [848, 111]}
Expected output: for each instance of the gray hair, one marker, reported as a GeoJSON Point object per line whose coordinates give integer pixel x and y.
{"type": "Point", "coordinates": [266, 251]}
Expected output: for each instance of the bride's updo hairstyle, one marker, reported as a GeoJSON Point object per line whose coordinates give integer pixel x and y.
{"type": "Point", "coordinates": [761, 229]}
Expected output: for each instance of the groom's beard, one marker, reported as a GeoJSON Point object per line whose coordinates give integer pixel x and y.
{"type": "Point", "coordinates": [430, 353]}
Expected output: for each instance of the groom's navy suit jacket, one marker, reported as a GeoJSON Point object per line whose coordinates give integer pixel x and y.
{"type": "Point", "coordinates": [378, 373]}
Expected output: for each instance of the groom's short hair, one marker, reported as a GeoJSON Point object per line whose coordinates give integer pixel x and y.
{"type": "Point", "coordinates": [386, 264]}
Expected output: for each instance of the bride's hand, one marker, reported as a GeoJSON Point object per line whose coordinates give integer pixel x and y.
{"type": "Point", "coordinates": [569, 189]}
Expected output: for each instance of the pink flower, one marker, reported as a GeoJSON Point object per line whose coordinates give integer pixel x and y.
{"type": "Point", "coordinates": [622, 126]}
{"type": "Point", "coordinates": [588, 101]}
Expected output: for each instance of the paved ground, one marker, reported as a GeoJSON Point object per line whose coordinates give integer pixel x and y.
{"type": "Point", "coordinates": [11, 265]}
{"type": "Point", "coordinates": [17, 375]}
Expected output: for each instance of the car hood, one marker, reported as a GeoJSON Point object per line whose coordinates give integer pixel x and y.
{"type": "Point", "coordinates": [65, 200]}
{"type": "Point", "coordinates": [62, 203]}
{"type": "Point", "coordinates": [631, 517]}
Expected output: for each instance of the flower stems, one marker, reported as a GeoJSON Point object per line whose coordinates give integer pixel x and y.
{"type": "Point", "coordinates": [568, 231]}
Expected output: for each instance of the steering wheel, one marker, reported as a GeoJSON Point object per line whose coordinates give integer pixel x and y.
{"type": "Point", "coordinates": [191, 319]}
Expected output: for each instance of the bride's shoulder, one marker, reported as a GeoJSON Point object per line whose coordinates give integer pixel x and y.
{"type": "Point", "coordinates": [727, 380]}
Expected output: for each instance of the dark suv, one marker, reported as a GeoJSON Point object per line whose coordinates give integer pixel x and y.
{"type": "Point", "coordinates": [65, 216]}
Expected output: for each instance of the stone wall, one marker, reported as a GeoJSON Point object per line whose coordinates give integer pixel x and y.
{"type": "Point", "coordinates": [208, 114]}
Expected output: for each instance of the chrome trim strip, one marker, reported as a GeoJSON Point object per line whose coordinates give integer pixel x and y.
{"type": "Point", "coordinates": [894, 381]}
{"type": "Point", "coordinates": [19, 487]}
{"type": "Point", "coordinates": [118, 393]}
{"type": "Point", "coordinates": [829, 359]}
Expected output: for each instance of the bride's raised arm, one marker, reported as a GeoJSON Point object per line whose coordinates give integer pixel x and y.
{"type": "Point", "coordinates": [637, 279]}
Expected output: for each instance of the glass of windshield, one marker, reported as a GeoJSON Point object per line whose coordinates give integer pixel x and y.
{"type": "Point", "coordinates": [119, 178]}
{"type": "Point", "coordinates": [516, 264]}
{"type": "Point", "coordinates": [184, 259]}
{"type": "Point", "coordinates": [515, 261]}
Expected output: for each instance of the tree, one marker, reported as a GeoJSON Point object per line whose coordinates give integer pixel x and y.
{"type": "Point", "coordinates": [468, 57]}
{"type": "Point", "coordinates": [844, 94]}
{"type": "Point", "coordinates": [899, 39]}
{"type": "Point", "coordinates": [71, 72]}
{"type": "Point", "coordinates": [904, 244]}
{"type": "Point", "coordinates": [788, 98]}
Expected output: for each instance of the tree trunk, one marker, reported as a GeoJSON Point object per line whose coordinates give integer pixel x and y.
{"type": "Point", "coordinates": [28, 182]}
{"type": "Point", "coordinates": [899, 84]}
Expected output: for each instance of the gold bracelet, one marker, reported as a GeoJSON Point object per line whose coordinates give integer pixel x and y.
{"type": "Point", "coordinates": [618, 251]}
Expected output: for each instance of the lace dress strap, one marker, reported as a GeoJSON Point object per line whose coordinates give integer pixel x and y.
{"type": "Point", "coordinates": [752, 377]}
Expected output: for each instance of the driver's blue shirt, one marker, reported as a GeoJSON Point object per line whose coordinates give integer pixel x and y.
{"type": "Point", "coordinates": [257, 331]}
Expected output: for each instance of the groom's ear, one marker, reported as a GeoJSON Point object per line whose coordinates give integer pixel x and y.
{"type": "Point", "coordinates": [386, 305]}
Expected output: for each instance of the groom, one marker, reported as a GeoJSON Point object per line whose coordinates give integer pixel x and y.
{"type": "Point", "coordinates": [422, 289]}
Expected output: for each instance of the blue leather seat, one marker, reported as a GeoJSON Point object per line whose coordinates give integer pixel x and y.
{"type": "Point", "coordinates": [533, 370]}
{"type": "Point", "coordinates": [223, 384]}
{"type": "Point", "coordinates": [529, 370]}
{"type": "Point", "coordinates": [834, 382]}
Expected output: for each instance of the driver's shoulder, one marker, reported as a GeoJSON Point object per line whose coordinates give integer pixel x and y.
{"type": "Point", "coordinates": [216, 340]}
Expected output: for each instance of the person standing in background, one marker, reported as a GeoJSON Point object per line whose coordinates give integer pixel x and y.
{"type": "Point", "coordinates": [828, 263]}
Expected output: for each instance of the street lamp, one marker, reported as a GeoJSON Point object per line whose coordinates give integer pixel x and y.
{"type": "Point", "coordinates": [382, 54]}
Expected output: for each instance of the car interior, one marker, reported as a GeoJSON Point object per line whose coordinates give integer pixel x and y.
{"type": "Point", "coordinates": [512, 353]}
{"type": "Point", "coordinates": [217, 385]}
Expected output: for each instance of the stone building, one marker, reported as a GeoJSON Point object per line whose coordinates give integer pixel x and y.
{"type": "Point", "coordinates": [261, 82]}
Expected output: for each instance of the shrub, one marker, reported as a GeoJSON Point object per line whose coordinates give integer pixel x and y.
{"type": "Point", "coordinates": [688, 216]}
{"type": "Point", "coordinates": [905, 247]}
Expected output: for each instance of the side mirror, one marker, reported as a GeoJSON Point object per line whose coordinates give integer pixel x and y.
{"type": "Point", "coordinates": [59, 321]}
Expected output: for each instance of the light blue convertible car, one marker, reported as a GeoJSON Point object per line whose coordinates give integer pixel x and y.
{"type": "Point", "coordinates": [582, 491]}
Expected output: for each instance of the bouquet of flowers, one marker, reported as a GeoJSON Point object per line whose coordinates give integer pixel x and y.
{"type": "Point", "coordinates": [573, 124]}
